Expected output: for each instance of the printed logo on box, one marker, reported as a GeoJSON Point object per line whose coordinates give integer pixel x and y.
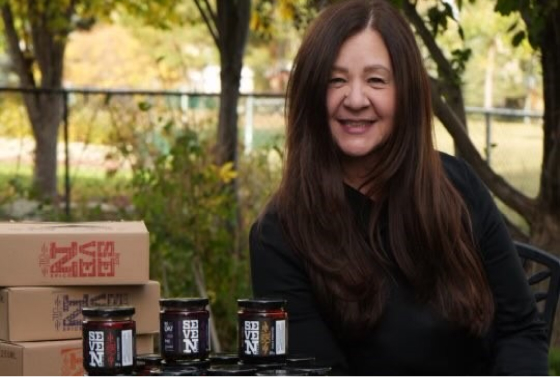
{"type": "Point", "coordinates": [7, 354]}
{"type": "Point", "coordinates": [76, 260]}
{"type": "Point", "coordinates": [72, 362]}
{"type": "Point", "coordinates": [67, 310]}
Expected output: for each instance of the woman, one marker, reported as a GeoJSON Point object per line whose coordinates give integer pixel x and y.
{"type": "Point", "coordinates": [392, 257]}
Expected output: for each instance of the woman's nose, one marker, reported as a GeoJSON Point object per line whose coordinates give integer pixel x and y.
{"type": "Point", "coordinates": [355, 97]}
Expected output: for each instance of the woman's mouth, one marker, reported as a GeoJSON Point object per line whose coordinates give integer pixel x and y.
{"type": "Point", "coordinates": [357, 126]}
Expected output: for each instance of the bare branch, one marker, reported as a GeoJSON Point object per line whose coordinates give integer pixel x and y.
{"type": "Point", "coordinates": [211, 12]}
{"type": "Point", "coordinates": [22, 64]}
{"type": "Point", "coordinates": [210, 20]}
{"type": "Point", "coordinates": [429, 41]}
{"type": "Point", "coordinates": [512, 197]}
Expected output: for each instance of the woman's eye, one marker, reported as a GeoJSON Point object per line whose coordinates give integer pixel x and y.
{"type": "Point", "coordinates": [336, 81]}
{"type": "Point", "coordinates": [376, 80]}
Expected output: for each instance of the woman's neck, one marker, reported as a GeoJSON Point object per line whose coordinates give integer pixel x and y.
{"type": "Point", "coordinates": [355, 171]}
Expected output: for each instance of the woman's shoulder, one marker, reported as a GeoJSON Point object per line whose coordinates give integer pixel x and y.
{"type": "Point", "coordinates": [267, 222]}
{"type": "Point", "coordinates": [461, 175]}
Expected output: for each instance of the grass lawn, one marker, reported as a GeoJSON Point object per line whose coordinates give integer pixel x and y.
{"type": "Point", "coordinates": [516, 155]}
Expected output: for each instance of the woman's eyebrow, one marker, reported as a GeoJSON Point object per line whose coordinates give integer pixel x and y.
{"type": "Point", "coordinates": [377, 67]}
{"type": "Point", "coordinates": [369, 68]}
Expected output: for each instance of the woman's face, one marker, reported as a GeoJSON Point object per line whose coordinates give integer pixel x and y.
{"type": "Point", "coordinates": [361, 95]}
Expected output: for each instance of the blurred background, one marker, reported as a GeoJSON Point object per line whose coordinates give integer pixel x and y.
{"type": "Point", "coordinates": [172, 112]}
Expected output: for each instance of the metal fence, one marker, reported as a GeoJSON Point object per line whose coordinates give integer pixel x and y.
{"type": "Point", "coordinates": [99, 123]}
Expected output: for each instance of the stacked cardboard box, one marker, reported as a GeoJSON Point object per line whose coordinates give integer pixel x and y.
{"type": "Point", "coordinates": [49, 271]}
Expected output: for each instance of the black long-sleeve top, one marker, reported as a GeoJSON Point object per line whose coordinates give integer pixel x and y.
{"type": "Point", "coordinates": [410, 338]}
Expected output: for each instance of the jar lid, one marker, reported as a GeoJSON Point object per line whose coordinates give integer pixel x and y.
{"type": "Point", "coordinates": [299, 359]}
{"type": "Point", "coordinates": [230, 370]}
{"type": "Point", "coordinates": [224, 358]}
{"type": "Point", "coordinates": [188, 371]}
{"type": "Point", "coordinates": [262, 303]}
{"type": "Point", "coordinates": [281, 372]}
{"type": "Point", "coordinates": [149, 359]}
{"type": "Point", "coordinates": [108, 311]}
{"type": "Point", "coordinates": [186, 302]}
{"type": "Point", "coordinates": [180, 364]}
{"type": "Point", "coordinates": [312, 368]}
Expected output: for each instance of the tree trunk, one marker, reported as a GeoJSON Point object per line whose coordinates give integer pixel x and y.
{"type": "Point", "coordinates": [546, 224]}
{"type": "Point", "coordinates": [233, 28]}
{"type": "Point", "coordinates": [45, 129]}
{"type": "Point", "coordinates": [227, 124]}
{"type": "Point", "coordinates": [45, 54]}
{"type": "Point", "coordinates": [448, 82]}
{"type": "Point", "coordinates": [232, 24]}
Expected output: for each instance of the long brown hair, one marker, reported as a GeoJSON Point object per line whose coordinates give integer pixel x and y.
{"type": "Point", "coordinates": [429, 226]}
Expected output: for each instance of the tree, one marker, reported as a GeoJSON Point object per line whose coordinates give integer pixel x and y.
{"type": "Point", "coordinates": [543, 212]}
{"type": "Point", "coordinates": [229, 26]}
{"type": "Point", "coordinates": [36, 34]}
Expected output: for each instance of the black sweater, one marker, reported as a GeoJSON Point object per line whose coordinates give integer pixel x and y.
{"type": "Point", "coordinates": [411, 339]}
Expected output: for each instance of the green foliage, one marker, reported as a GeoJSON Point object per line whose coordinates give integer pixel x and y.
{"type": "Point", "coordinates": [268, 16]}
{"type": "Point", "coordinates": [438, 16]}
{"type": "Point", "coordinates": [554, 361]}
{"type": "Point", "coordinates": [184, 200]}
{"type": "Point", "coordinates": [534, 14]}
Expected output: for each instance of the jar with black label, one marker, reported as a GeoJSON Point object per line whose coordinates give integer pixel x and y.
{"type": "Point", "coordinates": [184, 331]}
{"type": "Point", "coordinates": [109, 340]}
{"type": "Point", "coordinates": [263, 331]}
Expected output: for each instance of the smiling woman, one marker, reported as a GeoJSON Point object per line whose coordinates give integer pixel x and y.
{"type": "Point", "coordinates": [392, 257]}
{"type": "Point", "coordinates": [361, 101]}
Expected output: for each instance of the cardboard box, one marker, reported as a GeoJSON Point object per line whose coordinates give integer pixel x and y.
{"type": "Point", "coordinates": [93, 253]}
{"type": "Point", "coordinates": [56, 358]}
{"type": "Point", "coordinates": [53, 313]}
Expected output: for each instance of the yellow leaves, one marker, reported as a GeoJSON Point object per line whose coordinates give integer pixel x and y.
{"type": "Point", "coordinates": [287, 9]}
{"type": "Point", "coordinates": [226, 172]}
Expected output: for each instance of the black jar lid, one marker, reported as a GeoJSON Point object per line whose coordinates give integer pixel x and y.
{"type": "Point", "coordinates": [224, 358]}
{"type": "Point", "coordinates": [281, 372]}
{"type": "Point", "coordinates": [231, 370]}
{"type": "Point", "coordinates": [312, 368]}
{"type": "Point", "coordinates": [262, 303]}
{"type": "Point", "coordinates": [108, 311]}
{"type": "Point", "coordinates": [182, 364]}
{"type": "Point", "coordinates": [295, 359]}
{"type": "Point", "coordinates": [187, 371]}
{"type": "Point", "coordinates": [149, 359]}
{"type": "Point", "coordinates": [183, 303]}
{"type": "Point", "coordinates": [264, 366]}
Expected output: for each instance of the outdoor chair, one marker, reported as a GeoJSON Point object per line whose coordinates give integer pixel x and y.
{"type": "Point", "coordinates": [543, 275]}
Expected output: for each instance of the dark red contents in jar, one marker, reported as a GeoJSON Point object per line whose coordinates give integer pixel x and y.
{"type": "Point", "coordinates": [262, 331]}
{"type": "Point", "coordinates": [109, 340]}
{"type": "Point", "coordinates": [184, 329]}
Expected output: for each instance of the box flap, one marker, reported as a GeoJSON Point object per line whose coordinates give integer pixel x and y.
{"type": "Point", "coordinates": [73, 228]}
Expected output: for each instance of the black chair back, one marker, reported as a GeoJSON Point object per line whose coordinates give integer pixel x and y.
{"type": "Point", "coordinates": [543, 275]}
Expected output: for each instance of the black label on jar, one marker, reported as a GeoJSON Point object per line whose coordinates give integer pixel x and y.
{"type": "Point", "coordinates": [185, 336]}
{"type": "Point", "coordinates": [262, 337]}
{"type": "Point", "coordinates": [109, 348]}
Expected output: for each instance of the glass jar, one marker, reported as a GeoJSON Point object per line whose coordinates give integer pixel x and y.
{"type": "Point", "coordinates": [263, 331]}
{"type": "Point", "coordinates": [109, 340]}
{"type": "Point", "coordinates": [184, 331]}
